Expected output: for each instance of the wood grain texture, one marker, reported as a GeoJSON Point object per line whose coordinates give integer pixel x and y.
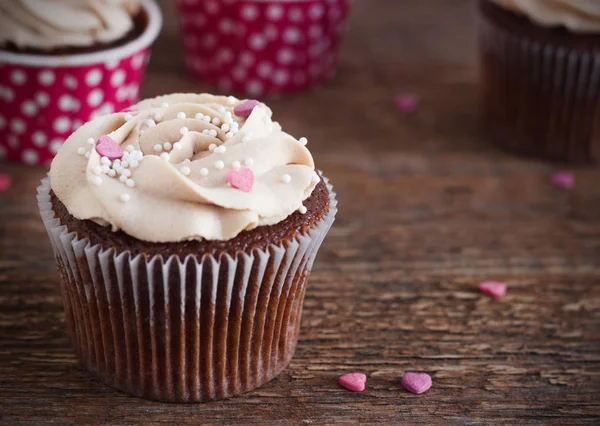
{"type": "Point", "coordinates": [428, 209]}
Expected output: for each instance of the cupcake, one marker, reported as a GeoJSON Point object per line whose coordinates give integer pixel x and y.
{"type": "Point", "coordinates": [63, 63]}
{"type": "Point", "coordinates": [540, 68]}
{"type": "Point", "coordinates": [185, 231]}
{"type": "Point", "coordinates": [262, 47]}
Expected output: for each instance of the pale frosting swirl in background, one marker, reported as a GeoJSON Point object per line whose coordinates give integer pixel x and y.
{"type": "Point", "coordinates": [173, 199]}
{"type": "Point", "coordinates": [50, 24]}
{"type": "Point", "coordinates": [582, 16]}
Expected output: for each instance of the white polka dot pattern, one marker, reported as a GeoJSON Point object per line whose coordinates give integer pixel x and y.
{"type": "Point", "coordinates": [40, 107]}
{"type": "Point", "coordinates": [262, 48]}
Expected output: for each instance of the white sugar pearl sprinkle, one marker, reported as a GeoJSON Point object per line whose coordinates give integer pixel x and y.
{"type": "Point", "coordinates": [158, 147]}
{"type": "Point", "coordinates": [126, 173]}
{"type": "Point", "coordinates": [212, 147]}
{"type": "Point", "coordinates": [204, 171]}
{"type": "Point", "coordinates": [207, 118]}
{"type": "Point", "coordinates": [220, 149]}
{"type": "Point", "coordinates": [164, 156]}
{"type": "Point", "coordinates": [219, 165]}
{"type": "Point", "coordinates": [216, 121]}
{"type": "Point", "coordinates": [199, 116]}
{"type": "Point", "coordinates": [158, 116]}
{"type": "Point", "coordinates": [229, 135]}
{"type": "Point", "coordinates": [181, 116]}
{"type": "Point", "coordinates": [104, 169]}
{"type": "Point", "coordinates": [96, 181]}
{"type": "Point", "coordinates": [212, 133]}
{"type": "Point", "coordinates": [184, 130]}
{"type": "Point", "coordinates": [105, 160]}
{"type": "Point", "coordinates": [228, 115]}
{"type": "Point", "coordinates": [221, 109]}
{"type": "Point", "coordinates": [205, 132]}
{"type": "Point", "coordinates": [97, 170]}
{"type": "Point", "coordinates": [225, 127]}
{"type": "Point", "coordinates": [123, 179]}
{"type": "Point", "coordinates": [167, 146]}
{"type": "Point", "coordinates": [128, 117]}
{"type": "Point", "coordinates": [177, 146]}
{"type": "Point", "coordinates": [302, 209]}
{"type": "Point", "coordinates": [112, 173]}
{"type": "Point", "coordinates": [186, 171]}
{"type": "Point", "coordinates": [286, 178]}
{"type": "Point", "coordinates": [130, 148]}
{"type": "Point", "coordinates": [236, 165]}
{"type": "Point", "coordinates": [303, 141]}
{"type": "Point", "coordinates": [91, 141]}
{"type": "Point", "coordinates": [125, 198]}
{"type": "Point", "coordinates": [133, 164]}
{"type": "Point", "coordinates": [81, 151]}
{"type": "Point", "coordinates": [117, 162]}
{"type": "Point", "coordinates": [249, 162]}
{"type": "Point", "coordinates": [150, 122]}
{"type": "Point", "coordinates": [231, 100]}
{"type": "Point", "coordinates": [125, 164]}
{"type": "Point", "coordinates": [87, 155]}
{"type": "Point", "coordinates": [130, 183]}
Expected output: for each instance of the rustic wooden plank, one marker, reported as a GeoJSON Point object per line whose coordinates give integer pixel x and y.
{"type": "Point", "coordinates": [428, 208]}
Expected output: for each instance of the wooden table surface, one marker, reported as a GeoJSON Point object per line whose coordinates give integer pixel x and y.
{"type": "Point", "coordinates": [428, 209]}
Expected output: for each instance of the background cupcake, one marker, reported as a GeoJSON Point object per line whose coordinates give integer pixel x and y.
{"type": "Point", "coordinates": [540, 62]}
{"type": "Point", "coordinates": [202, 298]}
{"type": "Point", "coordinates": [262, 47]}
{"type": "Point", "coordinates": [63, 63]}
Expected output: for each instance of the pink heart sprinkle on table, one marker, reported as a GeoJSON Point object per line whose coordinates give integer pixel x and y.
{"type": "Point", "coordinates": [406, 102]}
{"type": "Point", "coordinates": [5, 182]}
{"type": "Point", "coordinates": [108, 148]}
{"type": "Point", "coordinates": [242, 179]}
{"type": "Point", "coordinates": [355, 382]}
{"type": "Point", "coordinates": [416, 383]}
{"type": "Point", "coordinates": [563, 179]}
{"type": "Point", "coordinates": [246, 108]}
{"type": "Point", "coordinates": [494, 289]}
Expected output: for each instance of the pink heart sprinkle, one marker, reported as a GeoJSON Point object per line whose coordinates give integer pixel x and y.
{"type": "Point", "coordinates": [494, 289]}
{"type": "Point", "coordinates": [107, 147]}
{"type": "Point", "coordinates": [242, 179]}
{"type": "Point", "coordinates": [563, 179]}
{"type": "Point", "coordinates": [416, 382]}
{"type": "Point", "coordinates": [5, 182]}
{"type": "Point", "coordinates": [355, 382]}
{"type": "Point", "coordinates": [246, 108]}
{"type": "Point", "coordinates": [407, 102]}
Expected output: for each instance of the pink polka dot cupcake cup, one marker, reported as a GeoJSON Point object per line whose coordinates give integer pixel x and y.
{"type": "Point", "coordinates": [262, 47]}
{"type": "Point", "coordinates": [44, 97]}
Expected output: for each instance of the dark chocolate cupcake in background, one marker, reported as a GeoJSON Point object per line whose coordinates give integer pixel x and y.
{"type": "Point", "coordinates": [540, 71]}
{"type": "Point", "coordinates": [185, 232]}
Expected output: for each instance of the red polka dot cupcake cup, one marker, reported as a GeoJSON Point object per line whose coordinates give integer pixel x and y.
{"type": "Point", "coordinates": [44, 98]}
{"type": "Point", "coordinates": [262, 47]}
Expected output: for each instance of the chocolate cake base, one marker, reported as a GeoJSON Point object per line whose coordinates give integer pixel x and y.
{"type": "Point", "coordinates": [185, 322]}
{"type": "Point", "coordinates": [140, 23]}
{"type": "Point", "coordinates": [540, 87]}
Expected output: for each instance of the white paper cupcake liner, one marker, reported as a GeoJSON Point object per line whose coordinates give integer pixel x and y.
{"type": "Point", "coordinates": [183, 330]}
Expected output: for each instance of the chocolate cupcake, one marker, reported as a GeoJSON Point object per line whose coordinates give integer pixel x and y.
{"type": "Point", "coordinates": [184, 233]}
{"type": "Point", "coordinates": [540, 71]}
{"type": "Point", "coordinates": [65, 62]}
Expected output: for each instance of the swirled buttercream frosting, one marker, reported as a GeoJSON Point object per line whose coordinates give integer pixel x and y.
{"type": "Point", "coordinates": [582, 16]}
{"type": "Point", "coordinates": [50, 24]}
{"type": "Point", "coordinates": [184, 167]}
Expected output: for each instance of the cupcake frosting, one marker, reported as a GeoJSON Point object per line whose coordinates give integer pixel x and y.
{"type": "Point", "coordinates": [50, 24]}
{"type": "Point", "coordinates": [190, 169]}
{"type": "Point", "coordinates": [575, 15]}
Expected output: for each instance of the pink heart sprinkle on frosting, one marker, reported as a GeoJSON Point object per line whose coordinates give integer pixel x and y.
{"type": "Point", "coordinates": [5, 182]}
{"type": "Point", "coordinates": [242, 179]}
{"type": "Point", "coordinates": [355, 382]}
{"type": "Point", "coordinates": [563, 179]}
{"type": "Point", "coordinates": [494, 289]}
{"type": "Point", "coordinates": [246, 108]}
{"type": "Point", "coordinates": [416, 383]}
{"type": "Point", "coordinates": [407, 102]}
{"type": "Point", "coordinates": [107, 147]}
